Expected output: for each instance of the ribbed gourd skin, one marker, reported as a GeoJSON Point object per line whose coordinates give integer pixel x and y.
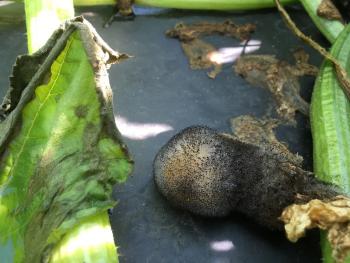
{"type": "Point", "coordinates": [330, 123]}
{"type": "Point", "coordinates": [330, 119]}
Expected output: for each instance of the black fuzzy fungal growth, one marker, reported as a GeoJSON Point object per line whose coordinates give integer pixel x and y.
{"type": "Point", "coordinates": [212, 174]}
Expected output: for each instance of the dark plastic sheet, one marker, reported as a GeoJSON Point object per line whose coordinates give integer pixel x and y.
{"type": "Point", "coordinates": [157, 95]}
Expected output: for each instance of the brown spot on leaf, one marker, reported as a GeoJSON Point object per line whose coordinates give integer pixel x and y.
{"type": "Point", "coordinates": [81, 111]}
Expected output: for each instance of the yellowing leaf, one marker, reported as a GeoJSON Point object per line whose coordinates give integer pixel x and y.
{"type": "Point", "coordinates": [60, 150]}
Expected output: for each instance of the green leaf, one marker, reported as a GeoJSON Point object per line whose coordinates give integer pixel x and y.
{"type": "Point", "coordinates": [330, 123]}
{"type": "Point", "coordinates": [329, 28]}
{"type": "Point", "coordinates": [60, 152]}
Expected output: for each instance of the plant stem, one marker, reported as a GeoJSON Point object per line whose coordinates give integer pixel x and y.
{"type": "Point", "coordinates": [193, 4]}
{"type": "Point", "coordinates": [91, 241]}
{"type": "Point", "coordinates": [43, 17]}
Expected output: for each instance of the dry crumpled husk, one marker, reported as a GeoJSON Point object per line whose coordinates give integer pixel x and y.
{"type": "Point", "coordinates": [328, 10]}
{"type": "Point", "coordinates": [333, 216]}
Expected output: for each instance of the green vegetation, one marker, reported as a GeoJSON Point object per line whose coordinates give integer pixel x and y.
{"type": "Point", "coordinates": [330, 121]}
{"type": "Point", "coordinates": [61, 154]}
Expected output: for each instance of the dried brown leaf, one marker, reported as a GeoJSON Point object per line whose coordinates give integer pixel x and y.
{"type": "Point", "coordinates": [280, 78]}
{"type": "Point", "coordinates": [328, 10]}
{"type": "Point", "coordinates": [190, 32]}
{"type": "Point", "coordinates": [333, 216]}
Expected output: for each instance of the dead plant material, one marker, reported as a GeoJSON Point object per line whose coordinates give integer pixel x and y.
{"type": "Point", "coordinates": [280, 78]}
{"type": "Point", "coordinates": [329, 11]}
{"type": "Point", "coordinates": [190, 32]}
{"type": "Point", "coordinates": [260, 132]}
{"type": "Point", "coordinates": [332, 215]}
{"type": "Point", "coordinates": [197, 50]}
{"type": "Point", "coordinates": [123, 11]}
{"type": "Point", "coordinates": [125, 7]}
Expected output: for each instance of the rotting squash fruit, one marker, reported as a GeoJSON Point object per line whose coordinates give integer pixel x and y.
{"type": "Point", "coordinates": [213, 174]}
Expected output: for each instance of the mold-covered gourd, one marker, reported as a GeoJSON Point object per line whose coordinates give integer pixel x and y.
{"type": "Point", "coordinates": [213, 174]}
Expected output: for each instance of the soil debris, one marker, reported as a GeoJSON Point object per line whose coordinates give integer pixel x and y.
{"type": "Point", "coordinates": [190, 32]}
{"type": "Point", "coordinates": [329, 11]}
{"type": "Point", "coordinates": [280, 78]}
{"type": "Point", "coordinates": [199, 51]}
